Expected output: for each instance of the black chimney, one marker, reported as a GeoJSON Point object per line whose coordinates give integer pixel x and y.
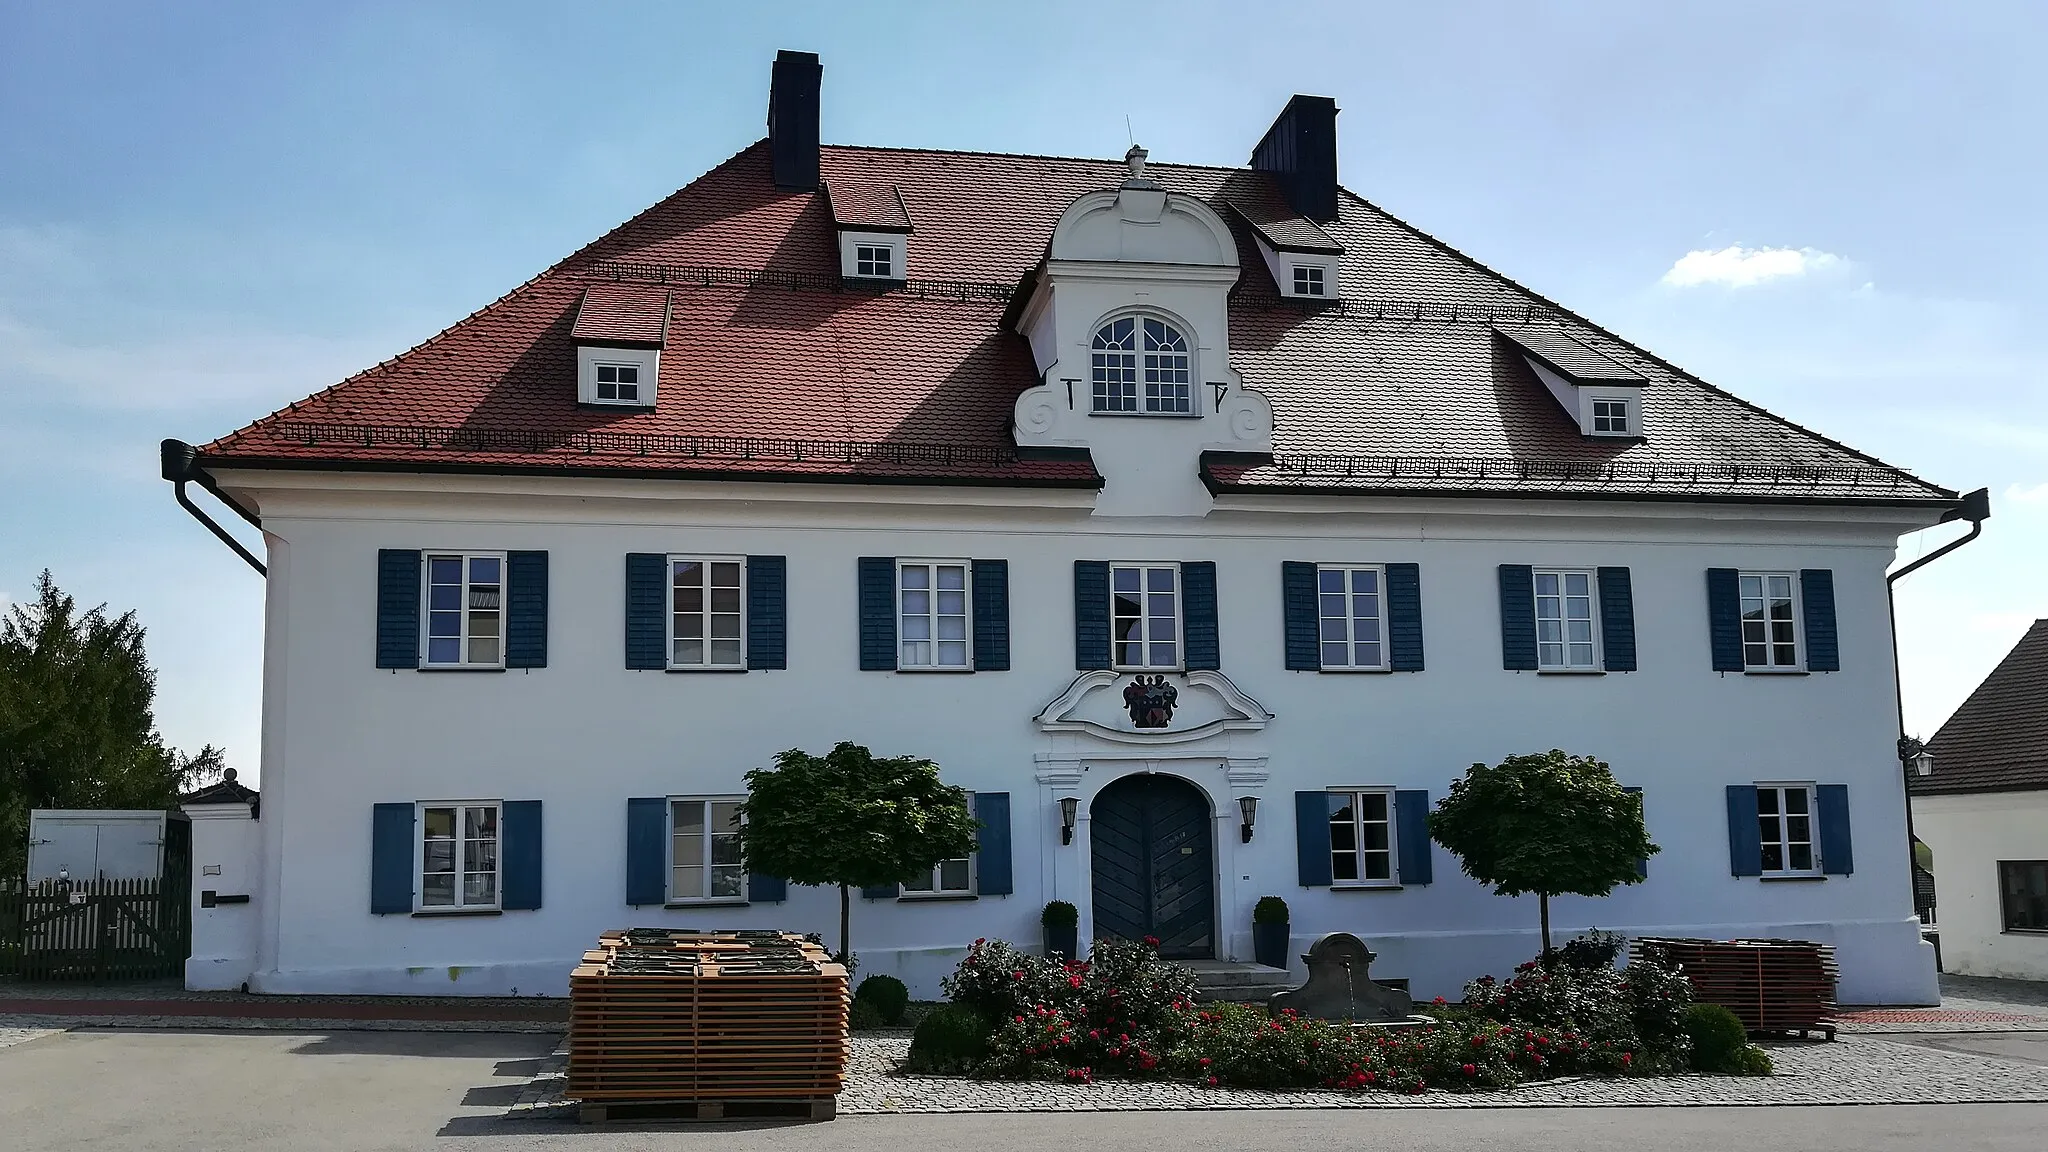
{"type": "Point", "coordinates": [793, 120]}
{"type": "Point", "coordinates": [1300, 150]}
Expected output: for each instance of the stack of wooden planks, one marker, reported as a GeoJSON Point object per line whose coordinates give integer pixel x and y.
{"type": "Point", "coordinates": [702, 1021]}
{"type": "Point", "coordinates": [1770, 985]}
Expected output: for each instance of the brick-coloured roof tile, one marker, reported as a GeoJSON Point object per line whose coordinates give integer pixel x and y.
{"type": "Point", "coordinates": [1401, 385]}
{"type": "Point", "coordinates": [621, 314]}
{"type": "Point", "coordinates": [867, 206]}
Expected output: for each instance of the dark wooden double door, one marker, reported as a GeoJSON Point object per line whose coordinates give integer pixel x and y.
{"type": "Point", "coordinates": [1152, 855]}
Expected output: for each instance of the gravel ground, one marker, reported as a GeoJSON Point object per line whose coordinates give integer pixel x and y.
{"type": "Point", "coordinates": [55, 1022]}
{"type": "Point", "coordinates": [1852, 1071]}
{"type": "Point", "coordinates": [11, 1035]}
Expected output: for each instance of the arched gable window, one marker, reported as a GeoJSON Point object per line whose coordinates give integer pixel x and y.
{"type": "Point", "coordinates": [1141, 349]}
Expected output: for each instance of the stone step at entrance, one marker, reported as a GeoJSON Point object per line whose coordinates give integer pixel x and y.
{"type": "Point", "coordinates": [1237, 982]}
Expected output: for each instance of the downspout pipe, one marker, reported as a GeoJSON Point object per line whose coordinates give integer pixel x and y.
{"type": "Point", "coordinates": [180, 467]}
{"type": "Point", "coordinates": [1976, 508]}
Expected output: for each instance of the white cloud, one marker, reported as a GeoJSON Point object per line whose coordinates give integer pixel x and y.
{"type": "Point", "coordinates": [2027, 493]}
{"type": "Point", "coordinates": [1739, 267]}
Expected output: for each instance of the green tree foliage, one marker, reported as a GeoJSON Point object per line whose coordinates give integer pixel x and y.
{"type": "Point", "coordinates": [76, 730]}
{"type": "Point", "coordinates": [852, 819]}
{"type": "Point", "coordinates": [1546, 823]}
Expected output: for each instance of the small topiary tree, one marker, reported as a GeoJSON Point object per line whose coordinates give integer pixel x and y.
{"type": "Point", "coordinates": [886, 994]}
{"type": "Point", "coordinates": [1546, 823]}
{"type": "Point", "coordinates": [852, 819]}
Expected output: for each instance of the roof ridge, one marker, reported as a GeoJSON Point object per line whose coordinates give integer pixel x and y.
{"type": "Point", "coordinates": [510, 294]}
{"type": "Point", "coordinates": [1632, 346]}
{"type": "Point", "coordinates": [1110, 160]}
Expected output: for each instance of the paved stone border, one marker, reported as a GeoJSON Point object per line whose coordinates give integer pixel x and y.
{"type": "Point", "coordinates": [11, 1035]}
{"type": "Point", "coordinates": [55, 1022]}
{"type": "Point", "coordinates": [1853, 1071]}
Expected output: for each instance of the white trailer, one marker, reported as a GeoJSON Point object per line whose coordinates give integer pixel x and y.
{"type": "Point", "coordinates": [95, 844]}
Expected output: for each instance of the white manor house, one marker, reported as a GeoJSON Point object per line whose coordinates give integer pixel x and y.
{"type": "Point", "coordinates": [970, 456]}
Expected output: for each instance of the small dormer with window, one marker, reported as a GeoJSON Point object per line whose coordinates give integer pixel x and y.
{"type": "Point", "coordinates": [619, 333]}
{"type": "Point", "coordinates": [874, 231]}
{"type": "Point", "coordinates": [1603, 397]}
{"type": "Point", "coordinates": [1128, 323]}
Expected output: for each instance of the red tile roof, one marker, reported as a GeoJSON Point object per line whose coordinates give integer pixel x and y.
{"type": "Point", "coordinates": [621, 314]}
{"type": "Point", "coordinates": [1998, 740]}
{"type": "Point", "coordinates": [1400, 386]}
{"type": "Point", "coordinates": [867, 206]}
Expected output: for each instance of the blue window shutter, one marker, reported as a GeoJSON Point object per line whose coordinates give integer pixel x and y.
{"type": "Point", "coordinates": [526, 610]}
{"type": "Point", "coordinates": [1517, 618]}
{"type": "Point", "coordinates": [1617, 620]}
{"type": "Point", "coordinates": [878, 613]}
{"type": "Point", "coordinates": [1745, 840]}
{"type": "Point", "coordinates": [1091, 615]}
{"type": "Point", "coordinates": [646, 607]}
{"type": "Point", "coordinates": [1298, 612]}
{"type": "Point", "coordinates": [1724, 630]}
{"type": "Point", "coordinates": [398, 612]}
{"type": "Point", "coordinates": [1836, 859]}
{"type": "Point", "coordinates": [878, 892]}
{"type": "Point", "coordinates": [1198, 608]}
{"type": "Point", "coordinates": [992, 869]}
{"type": "Point", "coordinates": [1411, 825]}
{"type": "Point", "coordinates": [767, 610]}
{"type": "Point", "coordinates": [764, 889]}
{"type": "Point", "coordinates": [520, 830]}
{"type": "Point", "coordinates": [991, 615]}
{"type": "Point", "coordinates": [391, 857]}
{"type": "Point", "coordinates": [646, 854]}
{"type": "Point", "coordinates": [1817, 597]}
{"type": "Point", "coordinates": [1404, 617]}
{"type": "Point", "coordinates": [1312, 838]}
{"type": "Point", "coordinates": [1643, 865]}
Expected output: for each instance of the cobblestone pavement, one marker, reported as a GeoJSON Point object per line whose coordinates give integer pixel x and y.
{"type": "Point", "coordinates": [11, 1035]}
{"type": "Point", "coordinates": [1861, 1070]}
{"type": "Point", "coordinates": [1968, 1004]}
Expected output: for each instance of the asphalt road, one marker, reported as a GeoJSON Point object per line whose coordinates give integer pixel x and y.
{"type": "Point", "coordinates": [202, 1092]}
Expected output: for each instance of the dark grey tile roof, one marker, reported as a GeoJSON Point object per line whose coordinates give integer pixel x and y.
{"type": "Point", "coordinates": [1566, 356]}
{"type": "Point", "coordinates": [1998, 740]}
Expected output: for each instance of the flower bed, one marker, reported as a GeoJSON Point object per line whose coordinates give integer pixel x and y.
{"type": "Point", "coordinates": [1127, 1014]}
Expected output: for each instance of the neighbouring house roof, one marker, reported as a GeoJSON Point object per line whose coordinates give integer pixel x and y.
{"type": "Point", "coordinates": [774, 368]}
{"type": "Point", "coordinates": [1998, 740]}
{"type": "Point", "coordinates": [226, 790]}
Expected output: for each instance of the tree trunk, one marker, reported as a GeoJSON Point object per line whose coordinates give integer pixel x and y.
{"type": "Point", "coordinates": [845, 951]}
{"type": "Point", "coordinates": [1543, 902]}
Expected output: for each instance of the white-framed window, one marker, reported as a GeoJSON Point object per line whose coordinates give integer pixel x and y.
{"type": "Point", "coordinates": [1351, 601]}
{"type": "Point", "coordinates": [465, 616]}
{"type": "Point", "coordinates": [876, 260]}
{"type": "Point", "coordinates": [1770, 620]}
{"type": "Point", "coordinates": [1141, 349]}
{"type": "Point", "coordinates": [1564, 620]}
{"type": "Point", "coordinates": [947, 878]}
{"type": "Point", "coordinates": [704, 849]}
{"type": "Point", "coordinates": [1308, 280]}
{"type": "Point", "coordinates": [617, 383]}
{"type": "Point", "coordinates": [932, 614]}
{"type": "Point", "coordinates": [1610, 417]}
{"type": "Point", "coordinates": [1784, 819]}
{"type": "Point", "coordinates": [1144, 616]}
{"type": "Point", "coordinates": [458, 855]}
{"type": "Point", "coordinates": [1362, 836]}
{"type": "Point", "coordinates": [707, 612]}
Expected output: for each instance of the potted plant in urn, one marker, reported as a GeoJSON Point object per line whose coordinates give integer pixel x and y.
{"type": "Point", "coordinates": [1059, 920]}
{"type": "Point", "coordinates": [1269, 932]}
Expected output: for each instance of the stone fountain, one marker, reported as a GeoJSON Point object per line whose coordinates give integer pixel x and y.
{"type": "Point", "coordinates": [1340, 988]}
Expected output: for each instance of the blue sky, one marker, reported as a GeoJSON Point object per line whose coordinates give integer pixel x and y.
{"type": "Point", "coordinates": [207, 211]}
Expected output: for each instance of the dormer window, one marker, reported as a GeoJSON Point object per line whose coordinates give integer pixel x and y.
{"type": "Point", "coordinates": [618, 383]}
{"type": "Point", "coordinates": [1610, 417]}
{"type": "Point", "coordinates": [1308, 280]}
{"type": "Point", "coordinates": [1140, 349]}
{"type": "Point", "coordinates": [877, 261]}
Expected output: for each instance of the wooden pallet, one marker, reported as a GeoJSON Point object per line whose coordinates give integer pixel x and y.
{"type": "Point", "coordinates": [1772, 986]}
{"type": "Point", "coordinates": [698, 1018]}
{"type": "Point", "coordinates": [798, 1108]}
